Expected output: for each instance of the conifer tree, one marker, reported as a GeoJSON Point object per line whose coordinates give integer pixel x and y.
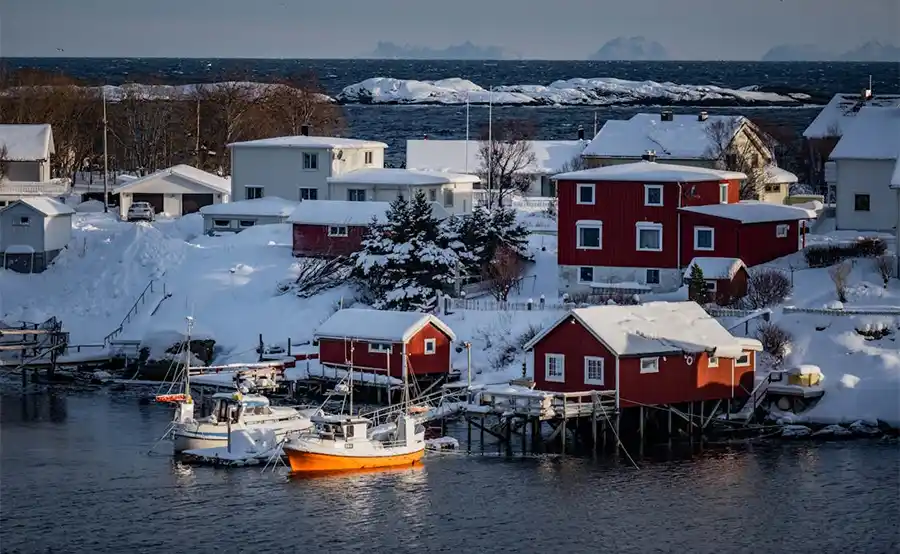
{"type": "Point", "coordinates": [697, 285]}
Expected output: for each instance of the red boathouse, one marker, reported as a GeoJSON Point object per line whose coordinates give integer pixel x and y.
{"type": "Point", "coordinates": [333, 227]}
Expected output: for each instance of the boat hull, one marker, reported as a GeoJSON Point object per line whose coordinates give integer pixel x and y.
{"type": "Point", "coordinates": [307, 462]}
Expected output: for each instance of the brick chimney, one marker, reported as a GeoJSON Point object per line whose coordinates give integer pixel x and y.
{"type": "Point", "coordinates": [649, 156]}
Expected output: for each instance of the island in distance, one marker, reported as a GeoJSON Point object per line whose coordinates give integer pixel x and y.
{"type": "Point", "coordinates": [872, 51]}
{"type": "Point", "coordinates": [465, 51]}
{"type": "Point", "coordinates": [631, 49]}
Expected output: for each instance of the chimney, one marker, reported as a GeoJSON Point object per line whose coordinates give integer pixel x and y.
{"type": "Point", "coordinates": [649, 156]}
{"type": "Point", "coordinates": [667, 116]}
{"type": "Point", "coordinates": [703, 116]}
{"type": "Point", "coordinates": [304, 130]}
{"type": "Point", "coordinates": [580, 132]}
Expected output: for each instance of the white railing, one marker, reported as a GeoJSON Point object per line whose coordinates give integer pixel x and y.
{"type": "Point", "coordinates": [532, 202]}
{"type": "Point", "coordinates": [33, 189]}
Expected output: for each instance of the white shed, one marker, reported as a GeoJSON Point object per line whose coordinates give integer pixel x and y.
{"type": "Point", "coordinates": [452, 190]}
{"type": "Point", "coordinates": [234, 217]}
{"type": "Point", "coordinates": [33, 231]}
{"type": "Point", "coordinates": [179, 190]}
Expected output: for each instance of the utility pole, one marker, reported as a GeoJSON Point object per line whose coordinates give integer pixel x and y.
{"type": "Point", "coordinates": [105, 159]}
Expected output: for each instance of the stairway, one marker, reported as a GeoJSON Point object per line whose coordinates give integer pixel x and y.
{"type": "Point", "coordinates": [150, 299]}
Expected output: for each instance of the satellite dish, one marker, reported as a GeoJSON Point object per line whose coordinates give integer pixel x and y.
{"type": "Point", "coordinates": [340, 155]}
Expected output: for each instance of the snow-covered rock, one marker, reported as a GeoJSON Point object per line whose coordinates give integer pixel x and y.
{"type": "Point", "coordinates": [832, 431]}
{"type": "Point", "coordinates": [862, 428]}
{"type": "Point", "coordinates": [795, 432]}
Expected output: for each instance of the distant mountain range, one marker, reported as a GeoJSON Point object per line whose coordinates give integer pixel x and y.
{"type": "Point", "coordinates": [872, 51]}
{"type": "Point", "coordinates": [464, 51]}
{"type": "Point", "coordinates": [632, 49]}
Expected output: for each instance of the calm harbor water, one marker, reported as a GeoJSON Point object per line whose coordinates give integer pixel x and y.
{"type": "Point", "coordinates": [75, 477]}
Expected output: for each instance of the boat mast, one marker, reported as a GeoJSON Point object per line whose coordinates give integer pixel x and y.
{"type": "Point", "coordinates": [187, 357]}
{"type": "Point", "coordinates": [350, 377]}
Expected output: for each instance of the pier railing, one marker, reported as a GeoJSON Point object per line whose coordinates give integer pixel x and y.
{"type": "Point", "coordinates": [135, 308]}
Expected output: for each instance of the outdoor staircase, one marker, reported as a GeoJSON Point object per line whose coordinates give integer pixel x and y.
{"type": "Point", "coordinates": [747, 412]}
{"type": "Point", "coordinates": [152, 297]}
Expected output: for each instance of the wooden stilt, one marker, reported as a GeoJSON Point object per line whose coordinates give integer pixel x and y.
{"type": "Point", "coordinates": [691, 420]}
{"type": "Point", "coordinates": [481, 428]}
{"type": "Point", "coordinates": [469, 434]}
{"type": "Point", "coordinates": [670, 425]}
{"type": "Point", "coordinates": [594, 429]}
{"type": "Point", "coordinates": [618, 441]}
{"type": "Point", "coordinates": [524, 437]}
{"type": "Point", "coordinates": [562, 434]}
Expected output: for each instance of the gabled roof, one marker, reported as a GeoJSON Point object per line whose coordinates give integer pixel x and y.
{"type": "Point", "coordinates": [267, 206]}
{"type": "Point", "coordinates": [50, 207]}
{"type": "Point", "coordinates": [187, 172]}
{"type": "Point", "coordinates": [311, 143]}
{"type": "Point", "coordinates": [753, 211]}
{"type": "Point", "coordinates": [841, 110]}
{"type": "Point", "coordinates": [716, 268]}
{"type": "Point", "coordinates": [401, 177]}
{"type": "Point", "coordinates": [378, 325]}
{"type": "Point", "coordinates": [777, 175]}
{"type": "Point", "coordinates": [650, 172]}
{"type": "Point", "coordinates": [655, 328]}
{"type": "Point", "coordinates": [25, 143]}
{"type": "Point", "coordinates": [874, 134]}
{"type": "Point", "coordinates": [685, 137]}
{"type": "Point", "coordinates": [462, 156]}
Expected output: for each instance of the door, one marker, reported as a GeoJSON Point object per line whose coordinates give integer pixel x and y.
{"type": "Point", "coordinates": [155, 200]}
{"type": "Point", "coordinates": [191, 203]}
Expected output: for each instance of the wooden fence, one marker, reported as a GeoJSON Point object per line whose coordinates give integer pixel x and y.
{"type": "Point", "coordinates": [850, 310]}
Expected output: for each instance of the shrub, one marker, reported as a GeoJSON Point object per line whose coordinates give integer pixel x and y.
{"type": "Point", "coordinates": [827, 255]}
{"type": "Point", "coordinates": [840, 275]}
{"type": "Point", "coordinates": [884, 265]}
{"type": "Point", "coordinates": [766, 288]}
{"type": "Point", "coordinates": [775, 340]}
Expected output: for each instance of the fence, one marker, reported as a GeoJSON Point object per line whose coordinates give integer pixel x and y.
{"type": "Point", "coordinates": [541, 203]}
{"type": "Point", "coordinates": [852, 310]}
{"type": "Point", "coordinates": [141, 299]}
{"type": "Point", "coordinates": [490, 305]}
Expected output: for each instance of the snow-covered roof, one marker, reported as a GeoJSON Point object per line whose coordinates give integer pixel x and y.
{"type": "Point", "coordinates": [302, 141]}
{"type": "Point", "coordinates": [656, 328]}
{"type": "Point", "coordinates": [190, 173]}
{"type": "Point", "coordinates": [462, 156]}
{"type": "Point", "coordinates": [874, 134]}
{"type": "Point", "coordinates": [47, 206]}
{"type": "Point", "coordinates": [266, 206]}
{"type": "Point", "coordinates": [378, 325]}
{"type": "Point", "coordinates": [775, 174]}
{"type": "Point", "coordinates": [401, 177]}
{"type": "Point", "coordinates": [841, 110]}
{"type": "Point", "coordinates": [339, 212]}
{"type": "Point", "coordinates": [716, 268]}
{"type": "Point", "coordinates": [752, 211]}
{"type": "Point", "coordinates": [685, 137]}
{"type": "Point", "coordinates": [25, 143]}
{"type": "Point", "coordinates": [650, 172]}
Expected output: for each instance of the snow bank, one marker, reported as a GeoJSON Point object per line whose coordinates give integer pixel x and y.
{"type": "Point", "coordinates": [601, 91]}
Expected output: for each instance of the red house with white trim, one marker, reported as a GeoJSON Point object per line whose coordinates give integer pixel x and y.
{"type": "Point", "coordinates": [643, 223]}
{"type": "Point", "coordinates": [658, 353]}
{"type": "Point", "coordinates": [387, 342]}
{"type": "Point", "coordinates": [333, 227]}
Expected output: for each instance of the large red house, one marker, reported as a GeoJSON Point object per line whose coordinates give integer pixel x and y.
{"type": "Point", "coordinates": [333, 227]}
{"type": "Point", "coordinates": [644, 222]}
{"type": "Point", "coordinates": [650, 354]}
{"type": "Point", "coordinates": [386, 342]}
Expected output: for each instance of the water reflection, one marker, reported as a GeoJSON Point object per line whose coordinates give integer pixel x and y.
{"type": "Point", "coordinates": [33, 407]}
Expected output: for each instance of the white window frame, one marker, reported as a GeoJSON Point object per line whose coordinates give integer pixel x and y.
{"type": "Point", "coordinates": [430, 346]}
{"type": "Point", "coordinates": [338, 231]}
{"type": "Point", "coordinates": [744, 355]}
{"type": "Point", "coordinates": [587, 364]}
{"type": "Point", "coordinates": [588, 224]}
{"type": "Point", "coordinates": [368, 156]}
{"type": "Point", "coordinates": [647, 189]}
{"type": "Point", "coordinates": [580, 280]}
{"type": "Point", "coordinates": [380, 348]}
{"type": "Point", "coordinates": [712, 236]}
{"type": "Point", "coordinates": [310, 161]}
{"type": "Point", "coordinates": [782, 230]}
{"type": "Point", "coordinates": [647, 277]}
{"type": "Point", "coordinates": [652, 369]}
{"type": "Point", "coordinates": [710, 285]}
{"type": "Point", "coordinates": [646, 226]}
{"type": "Point", "coordinates": [723, 193]}
{"type": "Point", "coordinates": [432, 195]}
{"type": "Point", "coordinates": [578, 188]}
{"type": "Point", "coordinates": [712, 361]}
{"type": "Point", "coordinates": [242, 222]}
{"type": "Point", "coordinates": [356, 192]}
{"type": "Point", "coordinates": [561, 361]}
{"type": "Point", "coordinates": [262, 192]}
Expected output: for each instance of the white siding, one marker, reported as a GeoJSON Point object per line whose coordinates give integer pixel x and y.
{"type": "Point", "coordinates": [234, 222]}
{"type": "Point", "coordinates": [669, 279]}
{"type": "Point", "coordinates": [17, 235]}
{"type": "Point", "coordinates": [57, 232]}
{"type": "Point", "coordinates": [462, 194]}
{"type": "Point", "coordinates": [872, 177]}
{"type": "Point", "coordinates": [171, 187]}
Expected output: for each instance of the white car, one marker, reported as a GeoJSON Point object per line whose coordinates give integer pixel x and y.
{"type": "Point", "coordinates": [140, 211]}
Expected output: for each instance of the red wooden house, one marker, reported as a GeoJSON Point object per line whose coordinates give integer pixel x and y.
{"type": "Point", "coordinates": [659, 353]}
{"type": "Point", "coordinates": [386, 342]}
{"type": "Point", "coordinates": [333, 227]}
{"type": "Point", "coordinates": [725, 278]}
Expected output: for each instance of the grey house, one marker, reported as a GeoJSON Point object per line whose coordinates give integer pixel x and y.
{"type": "Point", "coordinates": [33, 231]}
{"type": "Point", "coordinates": [28, 150]}
{"type": "Point", "coordinates": [234, 217]}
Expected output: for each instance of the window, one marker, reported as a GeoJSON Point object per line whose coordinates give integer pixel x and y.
{"type": "Point", "coordinates": [247, 223]}
{"type": "Point", "coordinates": [593, 370]}
{"type": "Point", "coordinates": [222, 223]}
{"type": "Point", "coordinates": [781, 231]}
{"type": "Point", "coordinates": [585, 274]}
{"type": "Point", "coordinates": [649, 365]}
{"type": "Point", "coordinates": [368, 158]}
{"type": "Point", "coordinates": [555, 368]}
{"type": "Point", "coordinates": [652, 277]}
{"type": "Point", "coordinates": [379, 347]}
{"type": "Point", "coordinates": [337, 231]}
{"type": "Point", "coordinates": [649, 237]}
{"type": "Point", "coordinates": [253, 192]}
{"type": "Point", "coordinates": [448, 198]}
{"type": "Point", "coordinates": [309, 193]}
{"type": "Point", "coordinates": [585, 193]}
{"type": "Point", "coordinates": [356, 195]}
{"type": "Point", "coordinates": [704, 238]}
{"type": "Point", "coordinates": [861, 203]}
{"type": "Point", "coordinates": [23, 221]}
{"type": "Point", "coordinates": [432, 195]}
{"type": "Point", "coordinates": [712, 361]}
{"type": "Point", "coordinates": [723, 193]}
{"type": "Point", "coordinates": [773, 188]}
{"type": "Point", "coordinates": [590, 235]}
{"type": "Point", "coordinates": [743, 360]}
{"type": "Point", "coordinates": [653, 195]}
{"type": "Point", "coordinates": [310, 161]}
{"type": "Point", "coordinates": [709, 285]}
{"type": "Point", "coordinates": [430, 346]}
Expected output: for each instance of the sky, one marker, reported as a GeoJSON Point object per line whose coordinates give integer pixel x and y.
{"type": "Point", "coordinates": [533, 29]}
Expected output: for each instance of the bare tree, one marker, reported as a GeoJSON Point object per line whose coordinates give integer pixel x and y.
{"type": "Point", "coordinates": [775, 340]}
{"type": "Point", "coordinates": [289, 105]}
{"type": "Point", "coordinates": [766, 288]}
{"type": "Point", "coordinates": [141, 127]}
{"type": "Point", "coordinates": [840, 276]}
{"type": "Point", "coordinates": [575, 164]}
{"type": "Point", "coordinates": [503, 273]}
{"type": "Point", "coordinates": [4, 163]}
{"type": "Point", "coordinates": [506, 160]}
{"type": "Point", "coordinates": [734, 153]}
{"type": "Point", "coordinates": [883, 264]}
{"type": "Point", "coordinates": [314, 275]}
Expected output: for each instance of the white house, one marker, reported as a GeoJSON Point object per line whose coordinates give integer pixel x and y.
{"type": "Point", "coordinates": [28, 150]}
{"type": "Point", "coordinates": [179, 190]}
{"type": "Point", "coordinates": [865, 162]}
{"type": "Point", "coordinates": [297, 168]}
{"type": "Point", "coordinates": [461, 156]}
{"type": "Point", "coordinates": [452, 190]}
{"type": "Point", "coordinates": [234, 217]}
{"type": "Point", "coordinates": [33, 231]}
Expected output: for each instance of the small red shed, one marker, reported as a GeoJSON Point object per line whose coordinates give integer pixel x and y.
{"type": "Point", "coordinates": [333, 227]}
{"type": "Point", "coordinates": [657, 353]}
{"type": "Point", "coordinates": [385, 341]}
{"type": "Point", "coordinates": [726, 278]}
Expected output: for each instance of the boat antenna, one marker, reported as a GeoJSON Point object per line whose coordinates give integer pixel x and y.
{"type": "Point", "coordinates": [187, 357]}
{"type": "Point", "coordinates": [350, 376]}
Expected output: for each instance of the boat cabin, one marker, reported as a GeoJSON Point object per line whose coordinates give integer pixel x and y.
{"type": "Point", "coordinates": [344, 427]}
{"type": "Point", "coordinates": [236, 405]}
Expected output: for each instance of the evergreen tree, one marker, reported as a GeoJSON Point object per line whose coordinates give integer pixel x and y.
{"type": "Point", "coordinates": [369, 264]}
{"type": "Point", "coordinates": [697, 285]}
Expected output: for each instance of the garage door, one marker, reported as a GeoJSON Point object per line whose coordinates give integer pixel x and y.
{"type": "Point", "coordinates": [191, 203]}
{"type": "Point", "coordinates": [155, 200]}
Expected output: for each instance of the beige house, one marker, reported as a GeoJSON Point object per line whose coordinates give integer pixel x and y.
{"type": "Point", "coordinates": [28, 150]}
{"type": "Point", "coordinates": [453, 191]}
{"type": "Point", "coordinates": [177, 191]}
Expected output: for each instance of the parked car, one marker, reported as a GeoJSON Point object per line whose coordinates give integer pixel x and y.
{"type": "Point", "coordinates": [140, 211]}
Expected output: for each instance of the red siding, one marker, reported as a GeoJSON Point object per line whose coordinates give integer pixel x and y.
{"type": "Point", "coordinates": [313, 240]}
{"type": "Point", "coordinates": [754, 243]}
{"type": "Point", "coordinates": [575, 342]}
{"type": "Point", "coordinates": [725, 237]}
{"type": "Point", "coordinates": [337, 352]}
{"type": "Point", "coordinates": [419, 361]}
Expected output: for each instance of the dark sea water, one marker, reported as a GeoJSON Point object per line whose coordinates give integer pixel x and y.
{"type": "Point", "coordinates": [75, 477]}
{"type": "Point", "coordinates": [395, 124]}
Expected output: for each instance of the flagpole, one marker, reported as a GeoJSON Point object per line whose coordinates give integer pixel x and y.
{"type": "Point", "coordinates": [467, 133]}
{"type": "Point", "coordinates": [491, 146]}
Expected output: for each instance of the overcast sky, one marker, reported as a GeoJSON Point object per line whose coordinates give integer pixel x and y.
{"type": "Point", "coordinates": [541, 29]}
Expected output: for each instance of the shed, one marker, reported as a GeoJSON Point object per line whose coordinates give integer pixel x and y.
{"type": "Point", "coordinates": [333, 227]}
{"type": "Point", "coordinates": [177, 191]}
{"type": "Point", "coordinates": [386, 341]}
{"type": "Point", "coordinates": [234, 217]}
{"type": "Point", "coordinates": [28, 151]}
{"type": "Point", "coordinates": [33, 231]}
{"type": "Point", "coordinates": [726, 278]}
{"type": "Point", "coordinates": [659, 353]}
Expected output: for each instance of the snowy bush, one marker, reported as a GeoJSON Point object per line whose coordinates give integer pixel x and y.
{"type": "Point", "coordinates": [840, 276]}
{"type": "Point", "coordinates": [885, 265]}
{"type": "Point", "coordinates": [775, 340]}
{"type": "Point", "coordinates": [503, 273]}
{"type": "Point", "coordinates": [827, 255]}
{"type": "Point", "coordinates": [314, 275]}
{"type": "Point", "coordinates": [766, 288]}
